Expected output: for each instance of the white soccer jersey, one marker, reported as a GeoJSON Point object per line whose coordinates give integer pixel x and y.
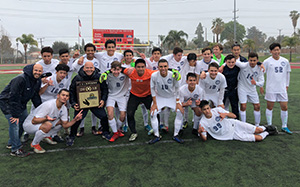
{"type": "Point", "coordinates": [52, 91]}
{"type": "Point", "coordinates": [246, 74]}
{"type": "Point", "coordinates": [186, 68]}
{"type": "Point", "coordinates": [185, 94]}
{"type": "Point", "coordinates": [277, 71]}
{"type": "Point", "coordinates": [117, 86]}
{"type": "Point", "coordinates": [49, 108]}
{"type": "Point", "coordinates": [212, 86]}
{"type": "Point", "coordinates": [151, 65]}
{"type": "Point", "coordinates": [173, 63]}
{"type": "Point", "coordinates": [203, 66]}
{"type": "Point", "coordinates": [105, 60]}
{"type": "Point", "coordinates": [165, 87]}
{"type": "Point", "coordinates": [77, 67]}
{"type": "Point", "coordinates": [217, 128]}
{"type": "Point", "coordinates": [49, 67]}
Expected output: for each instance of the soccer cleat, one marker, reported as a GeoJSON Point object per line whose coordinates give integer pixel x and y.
{"type": "Point", "coordinates": [70, 140]}
{"type": "Point", "coordinates": [148, 128]}
{"type": "Point", "coordinates": [19, 153]}
{"type": "Point", "coordinates": [150, 132]}
{"type": "Point", "coordinates": [185, 124]}
{"type": "Point", "coordinates": [125, 128]}
{"type": "Point", "coordinates": [100, 131]}
{"type": "Point", "coordinates": [133, 136]}
{"type": "Point", "coordinates": [286, 130]}
{"type": "Point", "coordinates": [25, 138]}
{"type": "Point", "coordinates": [161, 126]}
{"type": "Point", "coordinates": [106, 135]}
{"type": "Point", "coordinates": [49, 140]}
{"type": "Point", "coordinates": [154, 140]}
{"type": "Point", "coordinates": [114, 137]}
{"type": "Point", "coordinates": [94, 131]}
{"type": "Point", "coordinates": [272, 130]}
{"type": "Point", "coordinates": [177, 139]}
{"type": "Point", "coordinates": [81, 132]}
{"type": "Point", "coordinates": [120, 133]}
{"type": "Point", "coordinates": [165, 129]}
{"type": "Point", "coordinates": [58, 139]}
{"type": "Point", "coordinates": [37, 148]}
{"type": "Point", "coordinates": [8, 146]}
{"type": "Point", "coordinates": [195, 132]}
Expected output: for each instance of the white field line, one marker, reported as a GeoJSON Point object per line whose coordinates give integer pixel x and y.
{"type": "Point", "coordinates": [121, 145]}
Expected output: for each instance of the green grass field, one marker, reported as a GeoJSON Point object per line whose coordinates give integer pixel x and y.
{"type": "Point", "coordinates": [93, 161]}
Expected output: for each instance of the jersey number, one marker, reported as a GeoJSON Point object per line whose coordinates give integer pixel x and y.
{"type": "Point", "coordinates": [249, 76]}
{"type": "Point", "coordinates": [118, 84]}
{"type": "Point", "coordinates": [278, 69]}
{"type": "Point", "coordinates": [164, 87]}
{"type": "Point", "coordinates": [54, 90]}
{"type": "Point", "coordinates": [217, 127]}
{"type": "Point", "coordinates": [213, 87]}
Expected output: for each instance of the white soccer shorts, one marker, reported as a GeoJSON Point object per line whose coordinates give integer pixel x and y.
{"type": "Point", "coordinates": [252, 97]}
{"type": "Point", "coordinates": [121, 101]}
{"type": "Point", "coordinates": [276, 97]}
{"type": "Point", "coordinates": [244, 131]}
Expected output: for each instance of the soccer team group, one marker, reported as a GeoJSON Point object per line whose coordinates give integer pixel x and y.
{"type": "Point", "coordinates": [158, 84]}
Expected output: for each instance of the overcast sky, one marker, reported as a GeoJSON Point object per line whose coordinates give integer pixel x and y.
{"type": "Point", "coordinates": [57, 20]}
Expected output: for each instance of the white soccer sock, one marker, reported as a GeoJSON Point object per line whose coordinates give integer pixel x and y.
{"type": "Point", "coordinates": [94, 120]}
{"type": "Point", "coordinates": [243, 116]}
{"type": "Point", "coordinates": [82, 123]}
{"type": "Point", "coordinates": [154, 123]}
{"type": "Point", "coordinates": [113, 125]}
{"type": "Point", "coordinates": [269, 114]}
{"type": "Point", "coordinates": [145, 114]}
{"type": "Point", "coordinates": [39, 136]}
{"type": "Point", "coordinates": [177, 123]}
{"type": "Point", "coordinates": [262, 127]}
{"type": "Point", "coordinates": [284, 118]}
{"type": "Point", "coordinates": [196, 121]}
{"type": "Point", "coordinates": [119, 124]}
{"type": "Point", "coordinates": [256, 117]}
{"type": "Point", "coordinates": [166, 117]}
{"type": "Point", "coordinates": [264, 134]}
{"type": "Point", "coordinates": [186, 114]}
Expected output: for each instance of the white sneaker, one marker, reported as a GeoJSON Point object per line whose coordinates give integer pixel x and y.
{"type": "Point", "coordinates": [49, 140]}
{"type": "Point", "coordinates": [133, 137]}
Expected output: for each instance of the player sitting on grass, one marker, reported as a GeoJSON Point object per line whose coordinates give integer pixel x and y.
{"type": "Point", "coordinates": [48, 118]}
{"type": "Point", "coordinates": [164, 91]}
{"type": "Point", "coordinates": [118, 85]}
{"type": "Point", "coordinates": [216, 124]}
{"type": "Point", "coordinates": [278, 78]}
{"type": "Point", "coordinates": [190, 96]}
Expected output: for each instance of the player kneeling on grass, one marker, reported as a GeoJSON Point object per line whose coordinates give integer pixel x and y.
{"type": "Point", "coordinates": [48, 118]}
{"type": "Point", "coordinates": [216, 123]}
{"type": "Point", "coordinates": [190, 96]}
{"type": "Point", "coordinates": [118, 85]}
{"type": "Point", "coordinates": [164, 91]}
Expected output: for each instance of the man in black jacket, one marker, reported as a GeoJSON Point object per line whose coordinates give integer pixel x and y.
{"type": "Point", "coordinates": [13, 101]}
{"type": "Point", "coordinates": [88, 73]}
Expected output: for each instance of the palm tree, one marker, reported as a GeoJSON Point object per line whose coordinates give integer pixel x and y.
{"type": "Point", "coordinates": [176, 39]}
{"type": "Point", "coordinates": [249, 44]}
{"type": "Point", "coordinates": [27, 40]}
{"type": "Point", "coordinates": [291, 42]}
{"type": "Point", "coordinates": [294, 16]}
{"type": "Point", "coordinates": [218, 27]}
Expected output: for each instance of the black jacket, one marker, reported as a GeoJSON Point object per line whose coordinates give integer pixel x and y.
{"type": "Point", "coordinates": [15, 96]}
{"type": "Point", "coordinates": [231, 76]}
{"type": "Point", "coordinates": [82, 76]}
{"type": "Point", "coordinates": [243, 59]}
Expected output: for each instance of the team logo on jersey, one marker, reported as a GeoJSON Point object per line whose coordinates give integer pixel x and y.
{"type": "Point", "coordinates": [218, 118]}
{"type": "Point", "coordinates": [122, 78]}
{"type": "Point", "coordinates": [96, 64]}
{"type": "Point", "coordinates": [181, 63]}
{"type": "Point", "coordinates": [154, 68]}
{"type": "Point", "coordinates": [283, 63]}
{"type": "Point", "coordinates": [115, 59]}
{"type": "Point", "coordinates": [255, 73]}
{"type": "Point", "coordinates": [61, 85]}
{"type": "Point", "coordinates": [60, 112]}
{"type": "Point", "coordinates": [218, 82]}
{"type": "Point", "coordinates": [196, 96]}
{"type": "Point", "coordinates": [169, 81]}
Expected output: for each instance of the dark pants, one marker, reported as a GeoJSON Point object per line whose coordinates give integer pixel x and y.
{"type": "Point", "coordinates": [133, 103]}
{"type": "Point", "coordinates": [98, 112]}
{"type": "Point", "coordinates": [232, 95]}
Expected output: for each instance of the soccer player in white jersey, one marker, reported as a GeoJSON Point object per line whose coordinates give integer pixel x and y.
{"type": "Point", "coordinates": [47, 61]}
{"type": "Point", "coordinates": [175, 61]}
{"type": "Point", "coordinates": [48, 118]}
{"type": "Point", "coordinates": [128, 59]}
{"type": "Point", "coordinates": [190, 96]}
{"type": "Point", "coordinates": [164, 91]}
{"type": "Point", "coordinates": [89, 50]}
{"type": "Point", "coordinates": [278, 78]}
{"type": "Point", "coordinates": [118, 86]}
{"type": "Point", "coordinates": [215, 122]}
{"type": "Point", "coordinates": [250, 76]}
{"type": "Point", "coordinates": [152, 62]}
{"type": "Point", "coordinates": [214, 85]}
{"type": "Point", "coordinates": [203, 64]}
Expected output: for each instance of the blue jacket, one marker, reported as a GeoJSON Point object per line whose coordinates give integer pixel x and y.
{"type": "Point", "coordinates": [22, 88]}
